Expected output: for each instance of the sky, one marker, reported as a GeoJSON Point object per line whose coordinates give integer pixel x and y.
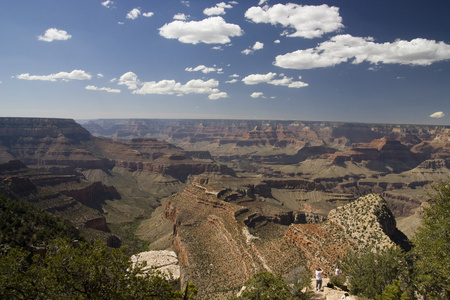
{"type": "Point", "coordinates": [383, 61]}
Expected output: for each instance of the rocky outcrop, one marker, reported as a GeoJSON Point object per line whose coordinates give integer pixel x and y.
{"type": "Point", "coordinates": [283, 218]}
{"type": "Point", "coordinates": [163, 261]}
{"type": "Point", "coordinates": [366, 224]}
{"type": "Point", "coordinates": [215, 250]}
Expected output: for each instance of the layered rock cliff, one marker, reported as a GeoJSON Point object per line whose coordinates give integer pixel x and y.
{"type": "Point", "coordinates": [366, 224]}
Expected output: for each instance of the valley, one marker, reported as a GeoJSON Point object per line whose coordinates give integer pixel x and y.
{"type": "Point", "coordinates": [230, 197]}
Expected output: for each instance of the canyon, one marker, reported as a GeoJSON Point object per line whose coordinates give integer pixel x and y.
{"type": "Point", "coordinates": [230, 197]}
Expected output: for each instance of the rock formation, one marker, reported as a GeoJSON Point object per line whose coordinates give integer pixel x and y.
{"type": "Point", "coordinates": [366, 224]}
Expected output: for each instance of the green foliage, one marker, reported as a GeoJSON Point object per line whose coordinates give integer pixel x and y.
{"type": "Point", "coordinates": [370, 273]}
{"type": "Point", "coordinates": [265, 285]}
{"type": "Point", "coordinates": [432, 246]}
{"type": "Point", "coordinates": [339, 281]}
{"type": "Point", "coordinates": [392, 292]}
{"type": "Point", "coordinates": [23, 225]}
{"type": "Point", "coordinates": [81, 271]}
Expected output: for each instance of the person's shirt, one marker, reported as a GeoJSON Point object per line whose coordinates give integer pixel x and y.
{"type": "Point", "coordinates": [319, 275]}
{"type": "Point", "coordinates": [337, 271]}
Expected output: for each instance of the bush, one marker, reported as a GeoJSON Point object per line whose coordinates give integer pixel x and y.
{"type": "Point", "coordinates": [370, 273]}
{"type": "Point", "coordinates": [339, 281]}
{"type": "Point", "coordinates": [265, 285]}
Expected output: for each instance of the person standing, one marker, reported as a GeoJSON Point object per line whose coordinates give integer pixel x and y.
{"type": "Point", "coordinates": [319, 274]}
{"type": "Point", "coordinates": [337, 271]}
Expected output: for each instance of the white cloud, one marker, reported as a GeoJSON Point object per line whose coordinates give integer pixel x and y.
{"type": "Point", "coordinates": [120, 23]}
{"type": "Point", "coordinates": [130, 80]}
{"type": "Point", "coordinates": [218, 95]}
{"type": "Point", "coordinates": [204, 69]}
{"type": "Point", "coordinates": [261, 2]}
{"type": "Point", "coordinates": [108, 3]}
{"type": "Point", "coordinates": [187, 3]}
{"type": "Point", "coordinates": [437, 115]}
{"type": "Point", "coordinates": [257, 95]}
{"type": "Point", "coordinates": [277, 41]}
{"type": "Point", "coordinates": [232, 81]}
{"type": "Point", "coordinates": [270, 79]}
{"type": "Point", "coordinates": [134, 13]}
{"type": "Point", "coordinates": [213, 30]}
{"type": "Point", "coordinates": [65, 76]}
{"type": "Point", "coordinates": [256, 46]}
{"type": "Point", "coordinates": [100, 75]}
{"type": "Point", "coordinates": [217, 48]}
{"type": "Point", "coordinates": [171, 87]}
{"type": "Point", "coordinates": [219, 9]}
{"type": "Point", "coordinates": [258, 78]}
{"type": "Point", "coordinates": [53, 34]}
{"type": "Point", "coordinates": [306, 21]}
{"type": "Point", "coordinates": [181, 17]}
{"type": "Point", "coordinates": [148, 14]}
{"type": "Point", "coordinates": [343, 48]}
{"type": "Point", "coordinates": [105, 89]}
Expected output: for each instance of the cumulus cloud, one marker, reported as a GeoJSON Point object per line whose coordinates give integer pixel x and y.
{"type": "Point", "coordinates": [53, 34]}
{"type": "Point", "coordinates": [130, 80]}
{"type": "Point", "coordinates": [277, 41]}
{"type": "Point", "coordinates": [100, 75]}
{"type": "Point", "coordinates": [219, 9]}
{"type": "Point", "coordinates": [108, 3]}
{"type": "Point", "coordinates": [148, 14]}
{"type": "Point", "coordinates": [305, 21]}
{"type": "Point", "coordinates": [270, 78]}
{"type": "Point", "coordinates": [204, 69]}
{"type": "Point", "coordinates": [437, 115]}
{"type": "Point", "coordinates": [171, 87]}
{"type": "Point", "coordinates": [343, 48]}
{"type": "Point", "coordinates": [232, 81]}
{"type": "Point", "coordinates": [181, 17]}
{"type": "Point", "coordinates": [134, 14]}
{"type": "Point", "coordinates": [187, 3]}
{"type": "Point", "coordinates": [65, 76]}
{"type": "Point", "coordinates": [213, 30]}
{"type": "Point", "coordinates": [257, 95]}
{"type": "Point", "coordinates": [218, 95]}
{"type": "Point", "coordinates": [256, 46]}
{"type": "Point", "coordinates": [105, 89]}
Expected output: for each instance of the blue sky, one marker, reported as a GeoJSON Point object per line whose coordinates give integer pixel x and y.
{"type": "Point", "coordinates": [378, 61]}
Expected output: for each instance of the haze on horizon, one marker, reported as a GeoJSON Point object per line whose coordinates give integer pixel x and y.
{"type": "Point", "coordinates": [354, 61]}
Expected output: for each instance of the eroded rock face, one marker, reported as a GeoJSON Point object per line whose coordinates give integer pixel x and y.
{"type": "Point", "coordinates": [214, 248]}
{"type": "Point", "coordinates": [366, 224]}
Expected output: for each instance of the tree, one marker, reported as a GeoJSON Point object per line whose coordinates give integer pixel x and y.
{"type": "Point", "coordinates": [432, 246]}
{"type": "Point", "coordinates": [81, 271]}
{"type": "Point", "coordinates": [265, 285]}
{"type": "Point", "coordinates": [392, 292]}
{"type": "Point", "coordinates": [370, 273]}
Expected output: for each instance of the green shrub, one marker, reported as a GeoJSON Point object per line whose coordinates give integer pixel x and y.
{"type": "Point", "coordinates": [339, 281]}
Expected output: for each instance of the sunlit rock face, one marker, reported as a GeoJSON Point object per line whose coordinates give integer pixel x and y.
{"type": "Point", "coordinates": [163, 261]}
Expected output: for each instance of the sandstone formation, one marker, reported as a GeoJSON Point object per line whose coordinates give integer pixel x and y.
{"type": "Point", "coordinates": [366, 224]}
{"type": "Point", "coordinates": [163, 261]}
